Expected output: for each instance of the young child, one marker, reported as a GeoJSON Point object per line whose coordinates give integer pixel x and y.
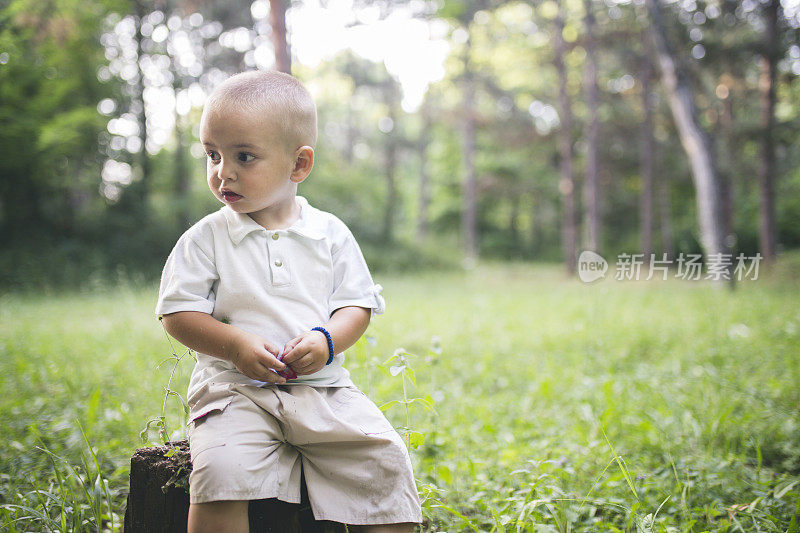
{"type": "Point", "coordinates": [270, 292]}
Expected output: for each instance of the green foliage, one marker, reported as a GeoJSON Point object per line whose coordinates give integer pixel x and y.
{"type": "Point", "coordinates": [60, 59]}
{"type": "Point", "coordinates": [401, 366]}
{"type": "Point", "coordinates": [160, 421]}
{"type": "Point", "coordinates": [559, 406]}
{"type": "Point", "coordinates": [413, 256]}
{"type": "Point", "coordinates": [789, 209]}
{"type": "Point", "coordinates": [613, 407]}
{"type": "Point", "coordinates": [77, 499]}
{"type": "Point", "coordinates": [70, 362]}
{"type": "Point", "coordinates": [49, 124]}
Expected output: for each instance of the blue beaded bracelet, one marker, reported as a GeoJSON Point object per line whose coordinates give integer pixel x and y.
{"type": "Point", "coordinates": [330, 342]}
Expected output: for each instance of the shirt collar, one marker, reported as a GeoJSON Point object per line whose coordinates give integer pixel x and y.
{"type": "Point", "coordinates": [240, 225]}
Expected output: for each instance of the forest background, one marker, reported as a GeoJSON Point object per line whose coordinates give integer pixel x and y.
{"type": "Point", "coordinates": [546, 128]}
{"type": "Point", "coordinates": [475, 148]}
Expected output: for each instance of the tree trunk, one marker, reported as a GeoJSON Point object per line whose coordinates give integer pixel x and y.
{"type": "Point", "coordinates": [469, 216]}
{"type": "Point", "coordinates": [181, 176]}
{"type": "Point", "coordinates": [390, 163]}
{"type": "Point", "coordinates": [539, 222]}
{"type": "Point", "coordinates": [727, 153]}
{"type": "Point", "coordinates": [277, 20]}
{"type": "Point", "coordinates": [144, 159]}
{"type": "Point", "coordinates": [766, 175]}
{"type": "Point", "coordinates": [663, 204]}
{"type": "Point", "coordinates": [513, 223]}
{"type": "Point", "coordinates": [566, 184]}
{"type": "Point", "coordinates": [646, 161]}
{"type": "Point", "coordinates": [665, 218]}
{"type": "Point", "coordinates": [158, 501]}
{"type": "Point", "coordinates": [390, 99]}
{"type": "Point", "coordinates": [424, 175]}
{"type": "Point", "coordinates": [180, 168]}
{"type": "Point", "coordinates": [591, 200]}
{"type": "Point", "coordinates": [695, 142]}
{"type": "Point", "coordinates": [351, 133]}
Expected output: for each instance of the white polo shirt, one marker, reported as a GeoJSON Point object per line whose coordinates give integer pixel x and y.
{"type": "Point", "coordinates": [274, 283]}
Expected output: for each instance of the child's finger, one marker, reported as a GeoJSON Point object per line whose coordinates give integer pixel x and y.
{"type": "Point", "coordinates": [289, 346]}
{"type": "Point", "coordinates": [301, 365]}
{"type": "Point", "coordinates": [271, 361]}
{"type": "Point", "coordinates": [271, 376]}
{"type": "Point", "coordinates": [271, 348]}
{"type": "Point", "coordinates": [306, 365]}
{"type": "Point", "coordinates": [278, 364]}
{"type": "Point", "coordinates": [294, 354]}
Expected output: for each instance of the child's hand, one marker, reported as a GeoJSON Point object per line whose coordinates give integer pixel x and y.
{"type": "Point", "coordinates": [307, 353]}
{"type": "Point", "coordinates": [257, 358]}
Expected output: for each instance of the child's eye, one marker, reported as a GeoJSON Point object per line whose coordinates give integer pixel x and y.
{"type": "Point", "coordinates": [245, 157]}
{"type": "Point", "coordinates": [212, 155]}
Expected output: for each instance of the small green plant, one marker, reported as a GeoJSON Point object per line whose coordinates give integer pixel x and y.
{"type": "Point", "coordinates": [76, 499]}
{"type": "Point", "coordinates": [401, 366]}
{"type": "Point", "coordinates": [160, 421]}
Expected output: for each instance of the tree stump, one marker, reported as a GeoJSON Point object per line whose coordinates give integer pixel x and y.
{"type": "Point", "coordinates": [158, 501]}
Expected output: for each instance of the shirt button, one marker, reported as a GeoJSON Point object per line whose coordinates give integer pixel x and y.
{"type": "Point", "coordinates": [278, 263]}
{"type": "Point", "coordinates": [274, 236]}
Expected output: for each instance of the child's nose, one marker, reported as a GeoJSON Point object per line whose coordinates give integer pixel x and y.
{"type": "Point", "coordinates": [227, 171]}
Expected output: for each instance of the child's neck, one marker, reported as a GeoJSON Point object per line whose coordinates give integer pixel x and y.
{"type": "Point", "coordinates": [278, 217]}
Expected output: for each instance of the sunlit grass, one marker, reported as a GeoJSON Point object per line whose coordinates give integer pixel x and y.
{"type": "Point", "coordinates": [560, 406]}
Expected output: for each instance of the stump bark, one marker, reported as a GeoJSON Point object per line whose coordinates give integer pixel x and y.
{"type": "Point", "coordinates": [158, 501]}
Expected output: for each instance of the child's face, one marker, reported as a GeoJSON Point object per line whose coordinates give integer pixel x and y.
{"type": "Point", "coordinates": [248, 166]}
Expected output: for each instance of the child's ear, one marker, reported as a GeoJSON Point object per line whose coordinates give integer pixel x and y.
{"type": "Point", "coordinates": [303, 163]}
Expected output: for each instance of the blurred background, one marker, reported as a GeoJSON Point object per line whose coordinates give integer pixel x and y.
{"type": "Point", "coordinates": [449, 131]}
{"type": "Point", "coordinates": [505, 136]}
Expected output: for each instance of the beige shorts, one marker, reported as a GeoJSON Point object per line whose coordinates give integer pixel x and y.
{"type": "Point", "coordinates": [249, 443]}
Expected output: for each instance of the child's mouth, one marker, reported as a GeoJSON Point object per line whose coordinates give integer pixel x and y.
{"type": "Point", "coordinates": [230, 196]}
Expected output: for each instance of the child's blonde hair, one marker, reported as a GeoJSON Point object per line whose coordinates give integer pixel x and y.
{"type": "Point", "coordinates": [277, 93]}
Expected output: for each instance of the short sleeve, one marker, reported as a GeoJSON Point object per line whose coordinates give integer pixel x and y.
{"type": "Point", "coordinates": [353, 285]}
{"type": "Point", "coordinates": [187, 281]}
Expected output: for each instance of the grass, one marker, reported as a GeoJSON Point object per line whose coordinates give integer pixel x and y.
{"type": "Point", "coordinates": [559, 406]}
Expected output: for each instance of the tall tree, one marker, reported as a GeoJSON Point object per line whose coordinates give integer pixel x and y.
{"type": "Point", "coordinates": [768, 64]}
{"type": "Point", "coordinates": [277, 21]}
{"type": "Point", "coordinates": [391, 99]}
{"type": "Point", "coordinates": [373, 80]}
{"type": "Point", "coordinates": [696, 142]}
{"type": "Point", "coordinates": [566, 183]}
{"type": "Point", "coordinates": [664, 203]}
{"type": "Point", "coordinates": [462, 12]}
{"type": "Point", "coordinates": [729, 154]}
{"type": "Point", "coordinates": [646, 148]}
{"type": "Point", "coordinates": [424, 172]}
{"type": "Point", "coordinates": [49, 121]}
{"type": "Point", "coordinates": [591, 198]}
{"type": "Point", "coordinates": [180, 169]}
{"type": "Point", "coordinates": [469, 215]}
{"type": "Point", "coordinates": [141, 10]}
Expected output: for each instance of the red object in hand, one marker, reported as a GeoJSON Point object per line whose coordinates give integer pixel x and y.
{"type": "Point", "coordinates": [287, 373]}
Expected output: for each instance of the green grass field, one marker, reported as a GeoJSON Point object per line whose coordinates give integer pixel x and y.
{"type": "Point", "coordinates": [559, 406]}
